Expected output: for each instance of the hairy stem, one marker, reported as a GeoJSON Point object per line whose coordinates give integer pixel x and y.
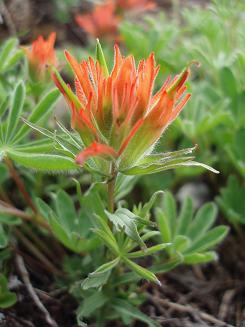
{"type": "Point", "coordinates": [111, 189]}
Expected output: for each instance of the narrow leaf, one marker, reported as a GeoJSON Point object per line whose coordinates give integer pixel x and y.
{"type": "Point", "coordinates": [47, 162]}
{"type": "Point", "coordinates": [15, 110]}
{"type": "Point", "coordinates": [40, 111]}
{"type": "Point", "coordinates": [145, 273]}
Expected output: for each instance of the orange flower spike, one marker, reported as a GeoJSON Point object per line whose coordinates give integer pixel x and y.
{"type": "Point", "coordinates": [40, 56]}
{"type": "Point", "coordinates": [101, 22]}
{"type": "Point", "coordinates": [139, 5]}
{"type": "Point", "coordinates": [119, 117]}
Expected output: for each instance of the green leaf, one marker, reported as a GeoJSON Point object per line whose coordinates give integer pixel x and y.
{"type": "Point", "coordinates": [6, 50]}
{"type": "Point", "coordinates": [101, 58]}
{"type": "Point", "coordinates": [157, 158]}
{"type": "Point", "coordinates": [7, 298]}
{"type": "Point", "coordinates": [40, 111]}
{"type": "Point", "coordinates": [9, 220]}
{"type": "Point", "coordinates": [37, 146]}
{"type": "Point", "coordinates": [46, 162]}
{"type": "Point", "coordinates": [231, 201]}
{"type": "Point", "coordinates": [91, 304]}
{"type": "Point", "coordinates": [185, 217]}
{"type": "Point", "coordinates": [228, 82]}
{"type": "Point", "coordinates": [203, 220]}
{"type": "Point", "coordinates": [169, 206]}
{"type": "Point", "coordinates": [144, 212]}
{"type": "Point", "coordinates": [100, 276]}
{"type": "Point", "coordinates": [198, 258]}
{"type": "Point", "coordinates": [124, 185]}
{"type": "Point", "coordinates": [4, 107]}
{"type": "Point", "coordinates": [168, 265]}
{"type": "Point", "coordinates": [124, 219]}
{"type": "Point", "coordinates": [65, 210]}
{"type": "Point", "coordinates": [171, 163]}
{"type": "Point", "coordinates": [210, 239]}
{"type": "Point", "coordinates": [16, 110]}
{"type": "Point", "coordinates": [163, 225]}
{"type": "Point", "coordinates": [13, 60]}
{"type": "Point", "coordinates": [4, 237]}
{"type": "Point", "coordinates": [148, 251]}
{"type": "Point", "coordinates": [3, 173]}
{"type": "Point", "coordinates": [65, 230]}
{"type": "Point", "coordinates": [181, 243]}
{"type": "Point", "coordinates": [144, 273]}
{"type": "Point", "coordinates": [125, 308]}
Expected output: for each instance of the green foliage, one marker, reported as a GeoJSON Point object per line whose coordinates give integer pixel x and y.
{"type": "Point", "coordinates": [70, 227]}
{"type": "Point", "coordinates": [190, 235]}
{"type": "Point", "coordinates": [215, 115]}
{"type": "Point", "coordinates": [231, 201]}
{"type": "Point", "coordinates": [10, 59]}
{"type": "Point", "coordinates": [14, 136]}
{"type": "Point", "coordinates": [7, 298]}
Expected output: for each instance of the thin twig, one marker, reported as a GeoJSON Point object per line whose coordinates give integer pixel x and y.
{"type": "Point", "coordinates": [26, 279]}
{"type": "Point", "coordinates": [225, 303]}
{"type": "Point", "coordinates": [8, 19]}
{"type": "Point", "coordinates": [40, 243]}
{"type": "Point", "coordinates": [21, 186]}
{"type": "Point", "coordinates": [49, 265]}
{"type": "Point", "coordinates": [8, 209]}
{"type": "Point", "coordinates": [189, 309]}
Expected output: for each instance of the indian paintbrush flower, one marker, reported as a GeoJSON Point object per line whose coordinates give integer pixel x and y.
{"type": "Point", "coordinates": [117, 114]}
{"type": "Point", "coordinates": [41, 55]}
{"type": "Point", "coordinates": [101, 22]}
{"type": "Point", "coordinates": [104, 19]}
{"type": "Point", "coordinates": [139, 5]}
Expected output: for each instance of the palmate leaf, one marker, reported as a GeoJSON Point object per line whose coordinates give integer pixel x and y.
{"type": "Point", "coordinates": [124, 307]}
{"type": "Point", "coordinates": [159, 162]}
{"type": "Point", "coordinates": [191, 236]}
{"type": "Point", "coordinates": [91, 304]}
{"type": "Point", "coordinates": [100, 276]}
{"type": "Point", "coordinates": [16, 108]}
{"type": "Point", "coordinates": [231, 201]}
{"type": "Point", "coordinates": [125, 220]}
{"type": "Point", "coordinates": [66, 229]}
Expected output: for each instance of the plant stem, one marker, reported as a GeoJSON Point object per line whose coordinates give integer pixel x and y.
{"type": "Point", "coordinates": [20, 185]}
{"type": "Point", "coordinates": [111, 189]}
{"type": "Point", "coordinates": [8, 209]}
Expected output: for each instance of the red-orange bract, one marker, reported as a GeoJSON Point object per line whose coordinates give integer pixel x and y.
{"type": "Point", "coordinates": [116, 114]}
{"type": "Point", "coordinates": [41, 55]}
{"type": "Point", "coordinates": [136, 4]}
{"type": "Point", "coordinates": [101, 22]}
{"type": "Point", "coordinates": [104, 19]}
